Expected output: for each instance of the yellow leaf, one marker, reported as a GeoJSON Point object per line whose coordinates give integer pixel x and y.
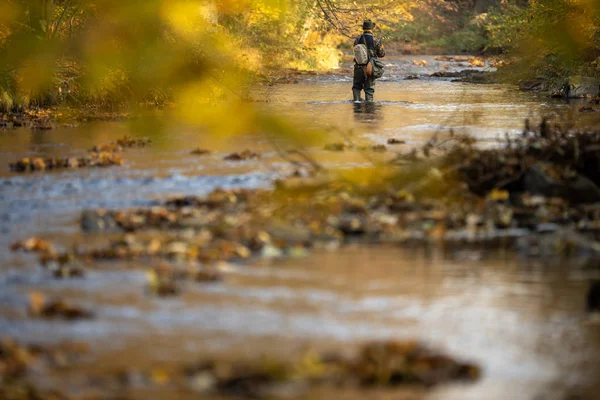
{"type": "Point", "coordinates": [498, 195]}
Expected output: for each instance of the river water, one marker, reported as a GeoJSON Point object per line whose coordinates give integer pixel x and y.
{"type": "Point", "coordinates": [522, 320]}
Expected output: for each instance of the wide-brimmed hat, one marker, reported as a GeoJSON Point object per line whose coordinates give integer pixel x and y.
{"type": "Point", "coordinates": [368, 24]}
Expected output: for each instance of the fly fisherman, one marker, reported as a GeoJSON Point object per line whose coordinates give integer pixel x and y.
{"type": "Point", "coordinates": [375, 49]}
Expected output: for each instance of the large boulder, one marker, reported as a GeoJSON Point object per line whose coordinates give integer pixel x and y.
{"type": "Point", "coordinates": [583, 86]}
{"type": "Point", "coordinates": [559, 90]}
{"type": "Point", "coordinates": [537, 84]}
{"type": "Point", "coordinates": [576, 87]}
{"type": "Point", "coordinates": [547, 180]}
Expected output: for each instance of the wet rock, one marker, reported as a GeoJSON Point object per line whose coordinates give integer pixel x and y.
{"type": "Point", "coordinates": [587, 109]}
{"type": "Point", "coordinates": [120, 144]}
{"type": "Point", "coordinates": [383, 364]}
{"type": "Point", "coordinates": [288, 234]}
{"type": "Point", "coordinates": [243, 379]}
{"type": "Point", "coordinates": [26, 391]}
{"type": "Point", "coordinates": [336, 147]}
{"type": "Point", "coordinates": [244, 155]}
{"type": "Point", "coordinates": [176, 249]}
{"type": "Point", "coordinates": [576, 87]}
{"type": "Point", "coordinates": [42, 125]}
{"type": "Point", "coordinates": [351, 225]}
{"type": "Point", "coordinates": [446, 74]}
{"type": "Point", "coordinates": [466, 75]}
{"type": "Point", "coordinates": [133, 378]}
{"type": "Point", "coordinates": [68, 271]}
{"type": "Point", "coordinates": [559, 242]}
{"type": "Point", "coordinates": [200, 152]}
{"type": "Point", "coordinates": [207, 276]}
{"type": "Point", "coordinates": [593, 297]}
{"type": "Point", "coordinates": [33, 244]}
{"type": "Point", "coordinates": [14, 359]}
{"type": "Point", "coordinates": [297, 251]}
{"type": "Point", "coordinates": [549, 181]}
{"type": "Point", "coordinates": [559, 89]}
{"type": "Point", "coordinates": [217, 199]}
{"type": "Point", "coordinates": [161, 281]}
{"type": "Point", "coordinates": [269, 251]}
{"type": "Point", "coordinates": [175, 216]}
{"type": "Point", "coordinates": [128, 142]}
{"type": "Point", "coordinates": [395, 141]}
{"type": "Point", "coordinates": [375, 147]}
{"type": "Point", "coordinates": [202, 381]}
{"type": "Point", "coordinates": [478, 77]}
{"type": "Point", "coordinates": [582, 87]}
{"type": "Point", "coordinates": [54, 261]}
{"type": "Point", "coordinates": [102, 159]}
{"type": "Point", "coordinates": [42, 307]}
{"type": "Point", "coordinates": [64, 354]}
{"type": "Point", "coordinates": [109, 147]}
{"type": "Point", "coordinates": [17, 361]}
{"type": "Point", "coordinates": [392, 363]}
{"type": "Point", "coordinates": [97, 221]}
{"type": "Point", "coordinates": [537, 84]}
{"type": "Point", "coordinates": [187, 246]}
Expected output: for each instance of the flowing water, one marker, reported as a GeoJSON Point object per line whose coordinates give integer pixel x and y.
{"type": "Point", "coordinates": [522, 320]}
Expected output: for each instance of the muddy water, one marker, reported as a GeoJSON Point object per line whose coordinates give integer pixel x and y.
{"type": "Point", "coordinates": [521, 320]}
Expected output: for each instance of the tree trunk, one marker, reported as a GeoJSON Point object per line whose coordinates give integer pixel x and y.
{"type": "Point", "coordinates": [40, 16]}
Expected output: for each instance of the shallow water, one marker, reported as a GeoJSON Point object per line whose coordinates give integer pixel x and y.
{"type": "Point", "coordinates": [521, 320]}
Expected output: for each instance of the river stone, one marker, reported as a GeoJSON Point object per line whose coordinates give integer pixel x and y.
{"type": "Point", "coordinates": [290, 234]}
{"type": "Point", "coordinates": [97, 221]}
{"type": "Point", "coordinates": [576, 87]}
{"type": "Point", "coordinates": [593, 297]}
{"type": "Point", "coordinates": [447, 74]}
{"type": "Point", "coordinates": [551, 244]}
{"type": "Point", "coordinates": [537, 84]}
{"type": "Point", "coordinates": [583, 86]}
{"type": "Point", "coordinates": [477, 77]}
{"type": "Point", "coordinates": [559, 90]}
{"type": "Point", "coordinates": [546, 180]}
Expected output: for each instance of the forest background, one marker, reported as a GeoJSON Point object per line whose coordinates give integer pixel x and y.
{"type": "Point", "coordinates": [188, 53]}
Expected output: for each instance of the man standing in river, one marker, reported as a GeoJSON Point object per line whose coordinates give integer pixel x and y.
{"type": "Point", "coordinates": [361, 80]}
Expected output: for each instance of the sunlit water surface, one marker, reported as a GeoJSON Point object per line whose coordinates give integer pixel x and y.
{"type": "Point", "coordinates": [522, 321]}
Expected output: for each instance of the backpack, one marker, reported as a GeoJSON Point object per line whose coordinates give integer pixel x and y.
{"type": "Point", "coordinates": [372, 67]}
{"type": "Point", "coordinates": [376, 69]}
{"type": "Point", "coordinates": [361, 53]}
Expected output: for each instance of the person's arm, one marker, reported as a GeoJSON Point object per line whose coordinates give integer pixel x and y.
{"type": "Point", "coordinates": [379, 50]}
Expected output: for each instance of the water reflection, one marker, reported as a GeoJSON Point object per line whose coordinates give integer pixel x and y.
{"type": "Point", "coordinates": [369, 112]}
